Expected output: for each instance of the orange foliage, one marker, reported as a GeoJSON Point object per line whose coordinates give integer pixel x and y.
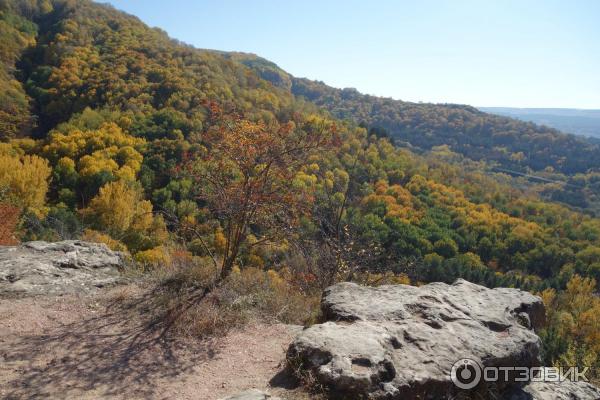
{"type": "Point", "coordinates": [247, 175]}
{"type": "Point", "coordinates": [9, 215]}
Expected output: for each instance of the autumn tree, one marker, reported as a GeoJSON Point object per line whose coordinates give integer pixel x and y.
{"type": "Point", "coordinates": [332, 250]}
{"type": "Point", "coordinates": [572, 336]}
{"type": "Point", "coordinates": [24, 181]}
{"type": "Point", "coordinates": [246, 176]}
{"type": "Point", "coordinates": [120, 210]}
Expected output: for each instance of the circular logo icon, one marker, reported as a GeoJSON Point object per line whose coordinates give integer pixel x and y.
{"type": "Point", "coordinates": [465, 373]}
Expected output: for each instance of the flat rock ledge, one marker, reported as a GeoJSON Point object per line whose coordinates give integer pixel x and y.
{"type": "Point", "coordinates": [400, 342]}
{"type": "Point", "coordinates": [43, 268]}
{"type": "Point", "coordinates": [252, 394]}
{"type": "Point", "coordinates": [565, 390]}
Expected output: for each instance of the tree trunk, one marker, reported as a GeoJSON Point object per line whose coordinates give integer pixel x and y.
{"type": "Point", "coordinates": [227, 267]}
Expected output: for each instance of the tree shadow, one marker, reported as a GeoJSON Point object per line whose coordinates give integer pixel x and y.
{"type": "Point", "coordinates": [121, 352]}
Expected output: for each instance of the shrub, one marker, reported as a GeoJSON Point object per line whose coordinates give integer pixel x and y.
{"type": "Point", "coordinates": [9, 215]}
{"type": "Point", "coordinates": [91, 235]}
{"type": "Point", "coordinates": [249, 294]}
{"type": "Point", "coordinates": [387, 278]}
{"type": "Point", "coordinates": [120, 210]}
{"type": "Point", "coordinates": [158, 256]}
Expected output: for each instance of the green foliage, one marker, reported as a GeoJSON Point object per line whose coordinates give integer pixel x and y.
{"type": "Point", "coordinates": [572, 336]}
{"type": "Point", "coordinates": [118, 102]}
{"type": "Point", "coordinates": [564, 168]}
{"type": "Point", "coordinates": [16, 34]}
{"type": "Point", "coordinates": [509, 142]}
{"type": "Point", "coordinates": [132, 125]}
{"type": "Point", "coordinates": [445, 248]}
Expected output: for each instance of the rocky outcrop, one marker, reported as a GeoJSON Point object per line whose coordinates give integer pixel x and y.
{"type": "Point", "coordinates": [252, 394]}
{"type": "Point", "coordinates": [36, 268]}
{"type": "Point", "coordinates": [400, 342]}
{"type": "Point", "coordinates": [565, 390]}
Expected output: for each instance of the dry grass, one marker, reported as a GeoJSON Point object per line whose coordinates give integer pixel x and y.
{"type": "Point", "coordinates": [191, 304]}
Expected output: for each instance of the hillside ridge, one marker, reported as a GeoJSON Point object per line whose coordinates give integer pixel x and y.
{"type": "Point", "coordinates": [273, 189]}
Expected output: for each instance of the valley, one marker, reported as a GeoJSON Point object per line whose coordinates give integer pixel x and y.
{"type": "Point", "coordinates": [235, 194]}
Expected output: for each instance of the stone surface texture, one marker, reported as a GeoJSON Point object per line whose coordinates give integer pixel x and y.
{"type": "Point", "coordinates": [400, 342]}
{"type": "Point", "coordinates": [43, 268]}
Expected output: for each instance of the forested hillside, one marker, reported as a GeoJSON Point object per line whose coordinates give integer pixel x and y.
{"type": "Point", "coordinates": [113, 132]}
{"type": "Point", "coordinates": [571, 120]}
{"type": "Point", "coordinates": [563, 167]}
{"type": "Point", "coordinates": [468, 131]}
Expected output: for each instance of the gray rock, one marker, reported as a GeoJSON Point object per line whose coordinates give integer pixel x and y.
{"type": "Point", "coordinates": [565, 390]}
{"type": "Point", "coordinates": [400, 342]}
{"type": "Point", "coordinates": [252, 394]}
{"type": "Point", "coordinates": [36, 268]}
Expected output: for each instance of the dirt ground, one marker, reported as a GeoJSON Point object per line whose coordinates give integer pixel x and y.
{"type": "Point", "coordinates": [90, 347]}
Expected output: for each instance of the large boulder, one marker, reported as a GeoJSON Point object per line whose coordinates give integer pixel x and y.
{"type": "Point", "coordinates": [565, 390]}
{"type": "Point", "coordinates": [35, 268]}
{"type": "Point", "coordinates": [401, 342]}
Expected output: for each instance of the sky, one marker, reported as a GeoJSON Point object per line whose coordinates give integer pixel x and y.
{"type": "Point", "coordinates": [513, 53]}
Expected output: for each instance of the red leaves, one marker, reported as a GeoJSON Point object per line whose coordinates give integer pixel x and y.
{"type": "Point", "coordinates": [246, 176]}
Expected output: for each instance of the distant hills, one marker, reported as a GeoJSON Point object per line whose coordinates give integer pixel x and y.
{"type": "Point", "coordinates": [510, 143]}
{"type": "Point", "coordinates": [569, 120]}
{"type": "Point", "coordinates": [65, 61]}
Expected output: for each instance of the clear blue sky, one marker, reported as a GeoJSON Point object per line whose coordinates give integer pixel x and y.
{"type": "Point", "coordinates": [516, 53]}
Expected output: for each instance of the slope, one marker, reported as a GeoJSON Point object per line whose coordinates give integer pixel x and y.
{"type": "Point", "coordinates": [123, 111]}
{"type": "Point", "coordinates": [511, 143]}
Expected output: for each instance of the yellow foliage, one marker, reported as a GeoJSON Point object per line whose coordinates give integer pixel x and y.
{"type": "Point", "coordinates": [158, 256]}
{"type": "Point", "coordinates": [220, 241]}
{"type": "Point", "coordinates": [549, 298]}
{"type": "Point", "coordinates": [589, 326]}
{"type": "Point", "coordinates": [397, 201]}
{"type": "Point", "coordinates": [66, 163]}
{"type": "Point", "coordinates": [120, 210]}
{"type": "Point", "coordinates": [7, 150]}
{"type": "Point", "coordinates": [387, 278]}
{"type": "Point", "coordinates": [575, 314]}
{"type": "Point", "coordinates": [479, 217]}
{"type": "Point", "coordinates": [313, 168]}
{"type": "Point", "coordinates": [105, 149]}
{"type": "Point", "coordinates": [417, 184]}
{"type": "Point", "coordinates": [574, 357]}
{"type": "Point", "coordinates": [25, 181]}
{"type": "Point", "coordinates": [381, 187]}
{"type": "Point", "coordinates": [579, 296]}
{"type": "Point", "coordinates": [255, 261]}
{"type": "Point", "coordinates": [24, 145]}
{"type": "Point", "coordinates": [91, 235]}
{"type": "Point", "coordinates": [95, 163]}
{"type": "Point", "coordinates": [303, 180]}
{"type": "Point", "coordinates": [403, 196]}
{"type": "Point", "coordinates": [119, 206]}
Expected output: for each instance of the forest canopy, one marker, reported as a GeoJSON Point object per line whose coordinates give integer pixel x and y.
{"type": "Point", "coordinates": [114, 132]}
